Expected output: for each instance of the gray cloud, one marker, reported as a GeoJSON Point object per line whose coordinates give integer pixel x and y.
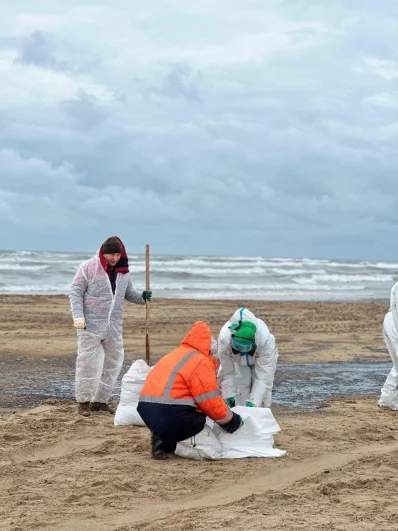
{"type": "Point", "coordinates": [39, 49]}
{"type": "Point", "coordinates": [84, 110]}
{"type": "Point", "coordinates": [180, 80]}
{"type": "Point", "coordinates": [272, 128]}
{"type": "Point", "coordinates": [8, 43]}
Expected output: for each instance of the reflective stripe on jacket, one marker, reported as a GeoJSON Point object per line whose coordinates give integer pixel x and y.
{"type": "Point", "coordinates": [187, 376]}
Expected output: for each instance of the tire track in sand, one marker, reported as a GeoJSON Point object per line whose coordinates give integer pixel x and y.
{"type": "Point", "coordinates": [230, 492]}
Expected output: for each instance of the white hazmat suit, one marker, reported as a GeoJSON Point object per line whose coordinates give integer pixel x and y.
{"type": "Point", "coordinates": [389, 392]}
{"type": "Point", "coordinates": [247, 377]}
{"type": "Point", "coordinates": [100, 346]}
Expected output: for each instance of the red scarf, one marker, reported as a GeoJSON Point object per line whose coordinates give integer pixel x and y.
{"type": "Point", "coordinates": [123, 264]}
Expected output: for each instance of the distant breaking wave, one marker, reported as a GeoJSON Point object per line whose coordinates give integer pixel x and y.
{"type": "Point", "coordinates": [211, 277]}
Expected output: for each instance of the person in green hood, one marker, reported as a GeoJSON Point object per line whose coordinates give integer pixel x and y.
{"type": "Point", "coordinates": [248, 357]}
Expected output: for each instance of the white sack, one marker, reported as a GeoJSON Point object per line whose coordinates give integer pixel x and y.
{"type": "Point", "coordinates": [132, 384]}
{"type": "Point", "coordinates": [205, 445]}
{"type": "Point", "coordinates": [253, 439]}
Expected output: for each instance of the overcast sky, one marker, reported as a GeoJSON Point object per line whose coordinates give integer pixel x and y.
{"type": "Point", "coordinates": [239, 127]}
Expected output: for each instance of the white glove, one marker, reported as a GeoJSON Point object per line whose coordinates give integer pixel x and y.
{"type": "Point", "coordinates": [79, 323]}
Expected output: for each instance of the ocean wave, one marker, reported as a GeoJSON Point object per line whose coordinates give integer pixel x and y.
{"type": "Point", "coordinates": [386, 265]}
{"type": "Point", "coordinates": [210, 276]}
{"type": "Point", "coordinates": [202, 263]}
{"type": "Point", "coordinates": [343, 278]}
{"type": "Point", "coordinates": [19, 267]}
{"type": "Point", "coordinates": [292, 272]}
{"type": "Point", "coordinates": [61, 289]}
{"type": "Point", "coordinates": [215, 286]}
{"type": "Point", "coordinates": [207, 271]}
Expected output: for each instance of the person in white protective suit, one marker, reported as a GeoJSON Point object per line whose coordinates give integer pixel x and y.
{"type": "Point", "coordinates": [248, 356]}
{"type": "Point", "coordinates": [97, 298]}
{"type": "Point", "coordinates": [389, 392]}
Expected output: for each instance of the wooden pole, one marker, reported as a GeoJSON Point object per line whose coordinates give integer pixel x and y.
{"type": "Point", "coordinates": [147, 287]}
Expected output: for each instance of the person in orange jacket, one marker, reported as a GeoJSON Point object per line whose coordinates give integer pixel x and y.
{"type": "Point", "coordinates": [181, 390]}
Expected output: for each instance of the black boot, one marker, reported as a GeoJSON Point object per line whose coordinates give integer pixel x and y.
{"type": "Point", "coordinates": [157, 448]}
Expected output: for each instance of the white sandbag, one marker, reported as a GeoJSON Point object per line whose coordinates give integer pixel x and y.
{"type": "Point", "coordinates": [205, 445]}
{"type": "Point", "coordinates": [253, 439]}
{"type": "Point", "coordinates": [127, 415]}
{"type": "Point", "coordinates": [132, 384]}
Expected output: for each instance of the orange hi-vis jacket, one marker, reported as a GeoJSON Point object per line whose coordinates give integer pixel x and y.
{"type": "Point", "coordinates": [187, 376]}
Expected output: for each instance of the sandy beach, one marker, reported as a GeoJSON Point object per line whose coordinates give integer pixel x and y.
{"type": "Point", "coordinates": [63, 472]}
{"type": "Point", "coordinates": [39, 326]}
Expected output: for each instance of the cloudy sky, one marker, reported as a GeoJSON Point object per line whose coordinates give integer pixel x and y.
{"type": "Point", "coordinates": [257, 127]}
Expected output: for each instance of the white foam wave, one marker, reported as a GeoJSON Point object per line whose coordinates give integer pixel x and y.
{"type": "Point", "coordinates": [215, 286]}
{"type": "Point", "coordinates": [18, 267]}
{"type": "Point", "coordinates": [210, 276]}
{"type": "Point", "coordinates": [386, 265]}
{"type": "Point", "coordinates": [61, 289]}
{"type": "Point", "coordinates": [347, 279]}
{"type": "Point", "coordinates": [291, 272]}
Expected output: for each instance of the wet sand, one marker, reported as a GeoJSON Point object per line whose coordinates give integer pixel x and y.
{"type": "Point", "coordinates": [41, 327]}
{"type": "Point", "coordinates": [63, 472]}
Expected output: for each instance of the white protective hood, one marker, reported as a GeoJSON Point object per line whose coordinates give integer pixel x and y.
{"type": "Point", "coordinates": [263, 362]}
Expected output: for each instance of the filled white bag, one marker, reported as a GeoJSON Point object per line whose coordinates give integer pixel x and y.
{"type": "Point", "coordinates": [205, 445]}
{"type": "Point", "coordinates": [253, 439]}
{"type": "Point", "coordinates": [132, 384]}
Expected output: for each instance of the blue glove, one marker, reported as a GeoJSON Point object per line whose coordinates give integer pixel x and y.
{"type": "Point", "coordinates": [230, 401]}
{"type": "Point", "coordinates": [147, 295]}
{"type": "Point", "coordinates": [250, 404]}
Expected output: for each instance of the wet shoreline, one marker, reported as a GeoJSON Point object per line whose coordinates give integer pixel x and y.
{"type": "Point", "coordinates": [306, 386]}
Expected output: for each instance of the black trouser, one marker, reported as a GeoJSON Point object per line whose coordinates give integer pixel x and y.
{"type": "Point", "coordinates": [171, 423]}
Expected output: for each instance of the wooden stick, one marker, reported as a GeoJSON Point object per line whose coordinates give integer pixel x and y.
{"type": "Point", "coordinates": [147, 287]}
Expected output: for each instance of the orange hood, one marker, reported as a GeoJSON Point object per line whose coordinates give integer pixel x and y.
{"type": "Point", "coordinates": [199, 338]}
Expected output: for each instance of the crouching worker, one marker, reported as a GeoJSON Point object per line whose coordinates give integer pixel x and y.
{"type": "Point", "coordinates": [181, 390]}
{"type": "Point", "coordinates": [248, 357]}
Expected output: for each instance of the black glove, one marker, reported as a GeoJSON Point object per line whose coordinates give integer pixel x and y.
{"type": "Point", "coordinates": [233, 424]}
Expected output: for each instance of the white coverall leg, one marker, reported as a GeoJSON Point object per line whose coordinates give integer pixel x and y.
{"type": "Point", "coordinates": [389, 393]}
{"type": "Point", "coordinates": [114, 356]}
{"type": "Point", "coordinates": [243, 379]}
{"type": "Point", "coordinates": [89, 365]}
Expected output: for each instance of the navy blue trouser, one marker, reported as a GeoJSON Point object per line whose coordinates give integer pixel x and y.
{"type": "Point", "coordinates": [171, 423]}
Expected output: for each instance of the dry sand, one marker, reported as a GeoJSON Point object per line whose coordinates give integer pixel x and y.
{"type": "Point", "coordinates": [63, 472]}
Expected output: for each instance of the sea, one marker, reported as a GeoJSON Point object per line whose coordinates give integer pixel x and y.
{"type": "Point", "coordinates": [211, 277]}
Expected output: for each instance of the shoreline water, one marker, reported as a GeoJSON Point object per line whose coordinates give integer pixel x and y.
{"type": "Point", "coordinates": [39, 342]}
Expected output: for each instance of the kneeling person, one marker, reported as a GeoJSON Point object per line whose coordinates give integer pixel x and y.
{"type": "Point", "coordinates": [181, 390]}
